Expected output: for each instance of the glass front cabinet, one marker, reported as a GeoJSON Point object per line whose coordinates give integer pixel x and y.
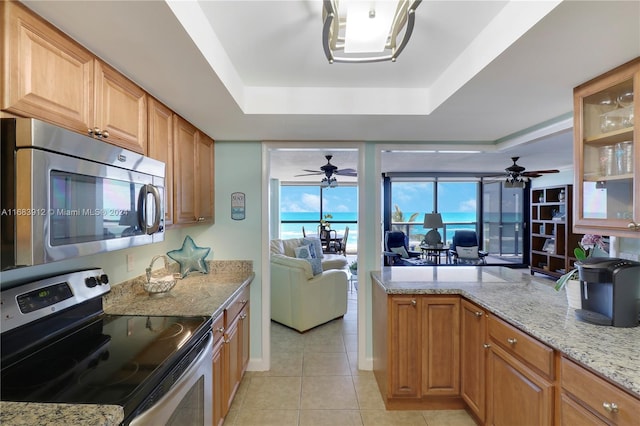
{"type": "Point", "coordinates": [607, 153]}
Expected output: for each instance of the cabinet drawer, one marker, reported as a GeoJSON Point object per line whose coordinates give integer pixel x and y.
{"type": "Point", "coordinates": [597, 394]}
{"type": "Point", "coordinates": [523, 346]}
{"type": "Point", "coordinates": [218, 328]}
{"type": "Point", "coordinates": [236, 305]}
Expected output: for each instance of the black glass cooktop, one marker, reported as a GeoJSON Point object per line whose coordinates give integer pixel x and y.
{"type": "Point", "coordinates": [111, 360]}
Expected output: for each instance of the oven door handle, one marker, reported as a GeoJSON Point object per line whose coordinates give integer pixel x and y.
{"type": "Point", "coordinates": [163, 409]}
{"type": "Point", "coordinates": [142, 209]}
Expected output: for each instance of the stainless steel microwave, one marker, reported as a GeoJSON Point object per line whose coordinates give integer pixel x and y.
{"type": "Point", "coordinates": [65, 195]}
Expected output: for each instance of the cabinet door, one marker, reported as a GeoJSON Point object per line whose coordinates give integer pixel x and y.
{"type": "Point", "coordinates": [204, 183]}
{"type": "Point", "coordinates": [473, 331]}
{"type": "Point", "coordinates": [607, 153]}
{"type": "Point", "coordinates": [516, 395]}
{"type": "Point", "coordinates": [404, 347]}
{"type": "Point", "coordinates": [232, 365]}
{"type": "Point", "coordinates": [184, 183]}
{"type": "Point", "coordinates": [219, 401]}
{"type": "Point", "coordinates": [243, 329]}
{"type": "Point", "coordinates": [161, 148]}
{"type": "Point", "coordinates": [572, 413]}
{"type": "Point", "coordinates": [121, 109]}
{"type": "Point", "coordinates": [48, 76]}
{"type": "Point", "coordinates": [440, 322]}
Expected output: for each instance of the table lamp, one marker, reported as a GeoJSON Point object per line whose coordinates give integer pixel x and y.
{"type": "Point", "coordinates": [433, 221]}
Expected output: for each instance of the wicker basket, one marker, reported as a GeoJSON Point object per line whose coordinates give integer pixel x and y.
{"type": "Point", "coordinates": [161, 282]}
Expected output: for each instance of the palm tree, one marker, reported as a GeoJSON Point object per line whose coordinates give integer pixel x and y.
{"type": "Point", "coordinates": [398, 216]}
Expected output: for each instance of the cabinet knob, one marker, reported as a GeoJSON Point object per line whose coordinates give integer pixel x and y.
{"type": "Point", "coordinates": [413, 302]}
{"type": "Point", "coordinates": [478, 314]}
{"type": "Point", "coordinates": [243, 316]}
{"type": "Point", "coordinates": [512, 341]}
{"type": "Point", "coordinates": [105, 134]}
{"type": "Point", "coordinates": [633, 226]}
{"type": "Point", "coordinates": [486, 345]}
{"type": "Point", "coordinates": [611, 407]}
{"type": "Point", "coordinates": [220, 329]}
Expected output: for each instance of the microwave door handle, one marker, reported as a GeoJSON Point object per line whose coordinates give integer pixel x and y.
{"type": "Point", "coordinates": [142, 204]}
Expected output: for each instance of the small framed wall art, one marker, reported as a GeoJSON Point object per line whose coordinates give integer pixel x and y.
{"type": "Point", "coordinates": [238, 206]}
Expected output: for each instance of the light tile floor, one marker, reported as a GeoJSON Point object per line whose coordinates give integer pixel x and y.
{"type": "Point", "coordinates": [314, 380]}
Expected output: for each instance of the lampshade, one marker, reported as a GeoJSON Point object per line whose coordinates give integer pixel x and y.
{"type": "Point", "coordinates": [433, 221]}
{"type": "Point", "coordinates": [366, 31]}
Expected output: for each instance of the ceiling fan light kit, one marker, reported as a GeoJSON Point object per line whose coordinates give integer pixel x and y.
{"type": "Point", "coordinates": [366, 31]}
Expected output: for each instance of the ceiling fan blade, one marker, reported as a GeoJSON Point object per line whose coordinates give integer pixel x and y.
{"type": "Point", "coordinates": [346, 172]}
{"type": "Point", "coordinates": [310, 174]}
{"type": "Point", "coordinates": [539, 172]}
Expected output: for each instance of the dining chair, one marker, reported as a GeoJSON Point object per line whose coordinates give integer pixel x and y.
{"type": "Point", "coordinates": [341, 244]}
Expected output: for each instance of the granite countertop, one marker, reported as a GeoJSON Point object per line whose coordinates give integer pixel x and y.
{"type": "Point", "coordinates": [532, 305]}
{"type": "Point", "coordinates": [196, 295]}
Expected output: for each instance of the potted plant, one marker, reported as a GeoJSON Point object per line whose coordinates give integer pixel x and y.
{"type": "Point", "coordinates": [325, 224]}
{"type": "Point", "coordinates": [353, 267]}
{"type": "Point", "coordinates": [589, 245]}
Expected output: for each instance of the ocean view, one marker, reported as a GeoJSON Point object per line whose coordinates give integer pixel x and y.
{"type": "Point", "coordinates": [310, 220]}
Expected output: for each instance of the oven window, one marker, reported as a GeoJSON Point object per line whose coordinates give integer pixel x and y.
{"type": "Point", "coordinates": [190, 411]}
{"type": "Point", "coordinates": [87, 208]}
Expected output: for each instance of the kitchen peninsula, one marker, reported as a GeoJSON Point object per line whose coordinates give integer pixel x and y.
{"type": "Point", "coordinates": [501, 343]}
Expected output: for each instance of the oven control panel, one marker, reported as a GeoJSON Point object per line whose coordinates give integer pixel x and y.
{"type": "Point", "coordinates": [38, 299]}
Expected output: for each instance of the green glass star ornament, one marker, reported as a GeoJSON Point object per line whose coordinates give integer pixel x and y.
{"type": "Point", "coordinates": [190, 257]}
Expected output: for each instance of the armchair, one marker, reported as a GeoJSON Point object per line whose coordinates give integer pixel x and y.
{"type": "Point", "coordinates": [396, 250]}
{"type": "Point", "coordinates": [301, 300]}
{"type": "Point", "coordinates": [465, 249]}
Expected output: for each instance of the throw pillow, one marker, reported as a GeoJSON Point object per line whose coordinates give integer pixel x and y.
{"type": "Point", "coordinates": [317, 245]}
{"type": "Point", "coordinates": [304, 252]}
{"type": "Point", "coordinates": [401, 251]}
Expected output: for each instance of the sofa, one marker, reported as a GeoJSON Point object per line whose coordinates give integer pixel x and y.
{"type": "Point", "coordinates": [287, 247]}
{"type": "Point", "coordinates": [299, 299]}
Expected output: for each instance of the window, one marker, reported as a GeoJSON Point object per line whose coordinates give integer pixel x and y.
{"type": "Point", "coordinates": [305, 205]}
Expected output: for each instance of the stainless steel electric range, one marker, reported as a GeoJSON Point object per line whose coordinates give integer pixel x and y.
{"type": "Point", "coordinates": [59, 346]}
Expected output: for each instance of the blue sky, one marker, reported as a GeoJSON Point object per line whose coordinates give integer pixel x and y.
{"type": "Point", "coordinates": [409, 196]}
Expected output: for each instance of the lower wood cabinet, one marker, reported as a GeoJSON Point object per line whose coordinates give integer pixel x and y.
{"type": "Point", "coordinates": [515, 394]}
{"type": "Point", "coordinates": [434, 351]}
{"type": "Point", "coordinates": [417, 364]}
{"type": "Point", "coordinates": [594, 401]}
{"type": "Point", "coordinates": [473, 357]}
{"type": "Point", "coordinates": [230, 354]}
{"type": "Point", "coordinates": [520, 374]}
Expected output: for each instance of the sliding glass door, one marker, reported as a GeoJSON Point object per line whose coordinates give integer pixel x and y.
{"type": "Point", "coordinates": [503, 218]}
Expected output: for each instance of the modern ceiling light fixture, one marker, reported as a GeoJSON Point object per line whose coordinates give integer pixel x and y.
{"type": "Point", "coordinates": [366, 31]}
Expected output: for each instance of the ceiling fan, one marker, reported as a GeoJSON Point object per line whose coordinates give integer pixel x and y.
{"type": "Point", "coordinates": [329, 170]}
{"type": "Point", "coordinates": [516, 176]}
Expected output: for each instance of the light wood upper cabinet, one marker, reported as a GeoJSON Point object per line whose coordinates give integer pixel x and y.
{"type": "Point", "coordinates": [160, 147]}
{"type": "Point", "coordinates": [193, 174]}
{"type": "Point", "coordinates": [204, 170]}
{"type": "Point", "coordinates": [121, 109]}
{"type": "Point", "coordinates": [53, 78]}
{"type": "Point", "coordinates": [607, 153]}
{"type": "Point", "coordinates": [46, 75]}
{"type": "Point", "coordinates": [184, 181]}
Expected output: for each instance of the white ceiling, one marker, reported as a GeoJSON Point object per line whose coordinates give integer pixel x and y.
{"type": "Point", "coordinates": [490, 75]}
